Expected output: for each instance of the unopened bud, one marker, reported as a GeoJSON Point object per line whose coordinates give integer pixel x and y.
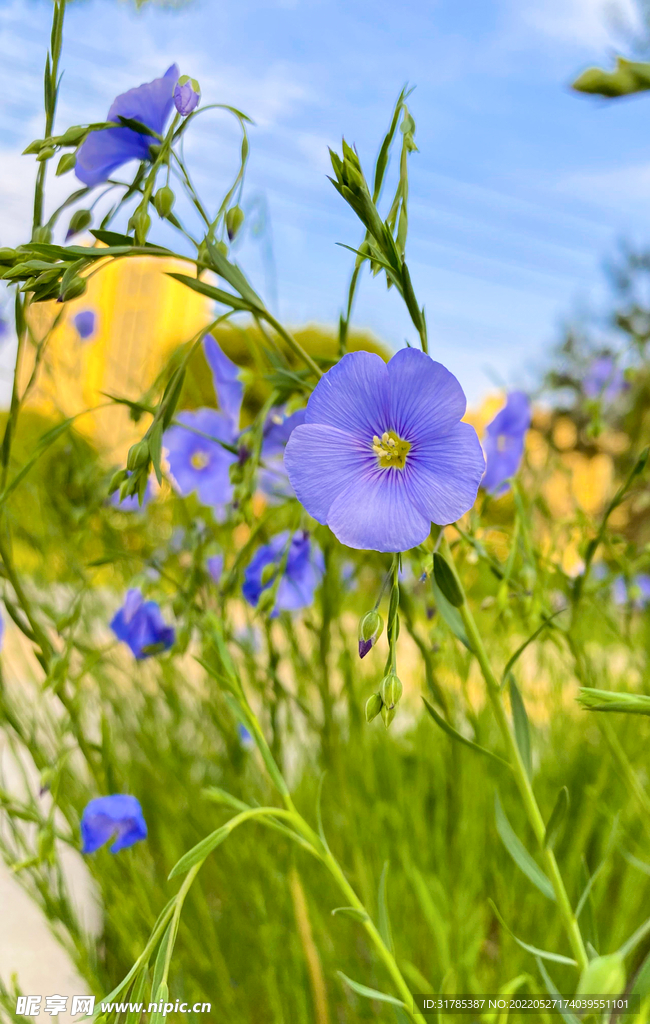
{"type": "Point", "coordinates": [186, 95]}
{"type": "Point", "coordinates": [370, 629]}
{"type": "Point", "coordinates": [118, 479]}
{"type": "Point", "coordinates": [66, 163]}
{"type": "Point", "coordinates": [46, 154]}
{"type": "Point", "coordinates": [387, 715]}
{"type": "Point", "coordinates": [234, 220]}
{"type": "Point", "coordinates": [34, 147]}
{"type": "Point", "coordinates": [374, 704]}
{"type": "Point", "coordinates": [164, 201]}
{"type": "Point", "coordinates": [74, 289]}
{"type": "Point", "coordinates": [138, 455]}
{"type": "Point", "coordinates": [79, 220]}
{"type": "Point", "coordinates": [42, 234]}
{"type": "Point", "coordinates": [140, 222]}
{"type": "Point", "coordinates": [391, 690]}
{"type": "Point", "coordinates": [7, 255]}
{"type": "Point", "coordinates": [266, 602]}
{"type": "Point", "coordinates": [73, 136]}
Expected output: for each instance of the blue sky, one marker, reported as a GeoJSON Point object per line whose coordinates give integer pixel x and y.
{"type": "Point", "coordinates": [519, 191]}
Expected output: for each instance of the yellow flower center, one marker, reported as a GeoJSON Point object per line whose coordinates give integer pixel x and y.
{"type": "Point", "coordinates": [391, 450]}
{"type": "Point", "coordinates": [200, 460]}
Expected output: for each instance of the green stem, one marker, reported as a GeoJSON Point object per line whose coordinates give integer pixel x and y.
{"type": "Point", "coordinates": [294, 345]}
{"type": "Point", "coordinates": [524, 786]}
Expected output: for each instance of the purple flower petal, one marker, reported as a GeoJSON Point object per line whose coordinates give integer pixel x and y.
{"type": "Point", "coordinates": [118, 815]}
{"type": "Point", "coordinates": [425, 398]}
{"type": "Point", "coordinates": [353, 396]}
{"type": "Point", "coordinates": [375, 513]}
{"type": "Point", "coordinates": [225, 374]}
{"type": "Point", "coordinates": [312, 451]}
{"type": "Point", "coordinates": [85, 323]}
{"type": "Point", "coordinates": [443, 475]}
{"type": "Point", "coordinates": [197, 462]}
{"type": "Point", "coordinates": [104, 151]}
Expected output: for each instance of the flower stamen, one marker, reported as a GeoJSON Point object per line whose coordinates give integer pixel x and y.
{"type": "Point", "coordinates": [391, 450]}
{"type": "Point", "coordinates": [200, 460]}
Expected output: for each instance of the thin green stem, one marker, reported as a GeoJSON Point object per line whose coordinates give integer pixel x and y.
{"type": "Point", "coordinates": [524, 786]}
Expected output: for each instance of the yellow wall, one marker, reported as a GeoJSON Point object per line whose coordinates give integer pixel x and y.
{"type": "Point", "coordinates": [142, 316]}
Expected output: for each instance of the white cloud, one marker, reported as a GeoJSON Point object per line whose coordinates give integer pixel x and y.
{"type": "Point", "coordinates": [585, 23]}
{"type": "Point", "coordinates": [624, 189]}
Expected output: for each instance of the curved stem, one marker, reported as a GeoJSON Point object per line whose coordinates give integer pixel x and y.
{"type": "Point", "coordinates": [524, 786]}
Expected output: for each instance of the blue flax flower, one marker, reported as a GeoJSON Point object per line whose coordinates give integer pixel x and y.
{"type": "Point", "coordinates": [196, 461]}
{"type": "Point", "coordinates": [85, 324]}
{"type": "Point", "coordinates": [301, 575]}
{"type": "Point", "coordinates": [104, 151]}
{"type": "Point", "coordinates": [503, 443]}
{"type": "Point", "coordinates": [636, 592]}
{"type": "Point", "coordinates": [278, 428]}
{"type": "Point", "coordinates": [604, 379]}
{"type": "Point", "coordinates": [140, 624]}
{"type": "Point", "coordinates": [215, 567]}
{"type": "Point", "coordinates": [186, 96]}
{"type": "Point", "coordinates": [106, 817]}
{"type": "Point", "coordinates": [383, 453]}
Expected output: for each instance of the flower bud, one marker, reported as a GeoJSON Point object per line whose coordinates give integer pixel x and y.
{"type": "Point", "coordinates": [269, 572]}
{"type": "Point", "coordinates": [374, 704]}
{"type": "Point", "coordinates": [117, 480]}
{"type": "Point", "coordinates": [164, 201]}
{"type": "Point", "coordinates": [187, 95]}
{"type": "Point", "coordinates": [370, 629]}
{"type": "Point", "coordinates": [42, 234]}
{"type": "Point", "coordinates": [387, 715]}
{"type": "Point", "coordinates": [45, 154]}
{"type": "Point", "coordinates": [74, 289]}
{"type": "Point", "coordinates": [140, 222]}
{"type": "Point", "coordinates": [234, 220]}
{"type": "Point", "coordinates": [79, 220]}
{"type": "Point", "coordinates": [266, 602]}
{"type": "Point", "coordinates": [66, 163]}
{"type": "Point", "coordinates": [7, 255]}
{"type": "Point", "coordinates": [34, 147]}
{"type": "Point", "coordinates": [73, 136]}
{"type": "Point", "coordinates": [138, 455]}
{"type": "Point", "coordinates": [604, 975]}
{"type": "Point", "coordinates": [391, 690]}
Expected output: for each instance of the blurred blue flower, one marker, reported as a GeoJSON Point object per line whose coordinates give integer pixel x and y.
{"type": "Point", "coordinates": [636, 592]}
{"type": "Point", "coordinates": [225, 377]}
{"type": "Point", "coordinates": [131, 503]}
{"type": "Point", "coordinates": [4, 327]}
{"type": "Point", "coordinates": [273, 479]}
{"type": "Point", "coordinates": [215, 567]}
{"type": "Point", "coordinates": [104, 151]}
{"type": "Point", "coordinates": [186, 97]}
{"type": "Point", "coordinates": [604, 379]}
{"type": "Point", "coordinates": [301, 574]}
{"type": "Point", "coordinates": [503, 443]}
{"type": "Point", "coordinates": [383, 453]}
{"type": "Point", "coordinates": [85, 323]}
{"type": "Point", "coordinates": [245, 737]}
{"type": "Point", "coordinates": [106, 817]}
{"type": "Point", "coordinates": [198, 463]}
{"type": "Point", "coordinates": [140, 624]}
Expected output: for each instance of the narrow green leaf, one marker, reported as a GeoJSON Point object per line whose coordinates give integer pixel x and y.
{"type": "Point", "coordinates": [567, 1016]}
{"type": "Point", "coordinates": [383, 919]}
{"type": "Point", "coordinates": [352, 912]}
{"type": "Point", "coordinates": [519, 853]}
{"type": "Point", "coordinates": [159, 965]}
{"type": "Point", "coordinates": [203, 288]}
{"type": "Point", "coordinates": [634, 939]}
{"type": "Point", "coordinates": [520, 722]}
{"type": "Point", "coordinates": [161, 996]}
{"type": "Point", "coordinates": [137, 996]}
{"type": "Point", "coordinates": [234, 275]}
{"type": "Point", "coordinates": [200, 851]}
{"type": "Point", "coordinates": [319, 814]}
{"type": "Point", "coordinates": [446, 580]}
{"type": "Point", "coordinates": [543, 953]}
{"type": "Point", "coordinates": [449, 614]}
{"type": "Point", "coordinates": [446, 727]}
{"type": "Point", "coordinates": [369, 993]}
{"type": "Point", "coordinates": [520, 650]}
{"type": "Point", "coordinates": [557, 817]}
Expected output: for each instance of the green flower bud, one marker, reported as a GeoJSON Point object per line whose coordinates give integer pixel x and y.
{"type": "Point", "coordinates": [43, 235]}
{"type": "Point", "coordinates": [76, 288]}
{"type": "Point", "coordinates": [79, 220]}
{"type": "Point", "coordinates": [73, 136]}
{"type": "Point", "coordinates": [604, 975]}
{"type": "Point", "coordinates": [66, 163]}
{"type": "Point", "coordinates": [46, 154]}
{"type": "Point", "coordinates": [374, 704]}
{"type": "Point", "coordinates": [138, 455]}
{"type": "Point", "coordinates": [234, 220]}
{"type": "Point", "coordinates": [7, 255]}
{"type": "Point", "coordinates": [34, 147]}
{"type": "Point", "coordinates": [164, 201]}
{"type": "Point", "coordinates": [266, 602]}
{"type": "Point", "coordinates": [370, 629]}
{"type": "Point", "coordinates": [117, 480]}
{"type": "Point", "coordinates": [140, 222]}
{"type": "Point", "coordinates": [387, 715]}
{"type": "Point", "coordinates": [391, 690]}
